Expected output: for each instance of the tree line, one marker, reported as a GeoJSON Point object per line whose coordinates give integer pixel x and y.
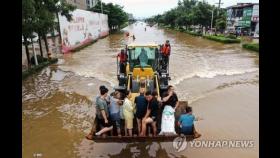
{"type": "Point", "coordinates": [189, 13]}
{"type": "Point", "coordinates": [116, 15]}
{"type": "Point", "coordinates": [38, 16]}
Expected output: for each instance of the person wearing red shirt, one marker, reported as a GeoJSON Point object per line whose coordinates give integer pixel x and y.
{"type": "Point", "coordinates": [122, 58]}
{"type": "Point", "coordinates": [165, 51]}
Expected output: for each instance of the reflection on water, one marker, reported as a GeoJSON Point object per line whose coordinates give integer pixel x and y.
{"type": "Point", "coordinates": [144, 150]}
{"type": "Point", "coordinates": [116, 150]}
{"type": "Point", "coordinates": [57, 102]}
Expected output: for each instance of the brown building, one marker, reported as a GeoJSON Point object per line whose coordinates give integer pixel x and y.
{"type": "Point", "coordinates": [82, 4]}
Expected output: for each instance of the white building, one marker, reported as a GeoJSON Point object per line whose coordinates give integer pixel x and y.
{"type": "Point", "coordinates": [243, 16]}
{"type": "Point", "coordinates": [255, 20]}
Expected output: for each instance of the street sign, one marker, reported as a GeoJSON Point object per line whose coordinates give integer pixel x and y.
{"type": "Point", "coordinates": [246, 19]}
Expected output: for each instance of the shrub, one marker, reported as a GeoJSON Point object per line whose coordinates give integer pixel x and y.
{"type": "Point", "coordinates": [231, 36]}
{"type": "Point", "coordinates": [251, 46]}
{"type": "Point", "coordinates": [124, 25]}
{"type": "Point", "coordinates": [222, 39]}
{"type": "Point", "coordinates": [181, 29]}
{"type": "Point", "coordinates": [40, 59]}
{"type": "Point", "coordinates": [194, 33]}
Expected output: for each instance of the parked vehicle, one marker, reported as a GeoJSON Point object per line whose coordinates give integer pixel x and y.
{"type": "Point", "coordinates": [230, 30]}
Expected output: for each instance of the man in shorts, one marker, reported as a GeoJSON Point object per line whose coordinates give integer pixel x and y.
{"type": "Point", "coordinates": [97, 125]}
{"type": "Point", "coordinates": [103, 113]}
{"type": "Point", "coordinates": [151, 114]}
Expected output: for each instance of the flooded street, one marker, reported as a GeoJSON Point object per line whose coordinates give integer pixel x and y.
{"type": "Point", "coordinates": [221, 83]}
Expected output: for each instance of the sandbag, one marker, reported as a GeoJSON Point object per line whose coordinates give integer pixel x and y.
{"type": "Point", "coordinates": [168, 121]}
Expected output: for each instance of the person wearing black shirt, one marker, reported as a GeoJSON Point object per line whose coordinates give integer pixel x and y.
{"type": "Point", "coordinates": [151, 114]}
{"type": "Point", "coordinates": [141, 108]}
{"type": "Point", "coordinates": [170, 98]}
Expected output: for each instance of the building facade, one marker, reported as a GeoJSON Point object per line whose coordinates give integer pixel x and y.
{"type": "Point", "coordinates": [243, 16]}
{"type": "Point", "coordinates": [83, 4]}
{"type": "Point", "coordinates": [130, 17]}
{"type": "Point", "coordinates": [91, 3]}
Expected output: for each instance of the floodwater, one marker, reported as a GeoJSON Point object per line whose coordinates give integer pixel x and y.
{"type": "Point", "coordinates": [221, 83]}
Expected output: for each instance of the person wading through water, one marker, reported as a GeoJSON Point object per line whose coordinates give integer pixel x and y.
{"type": "Point", "coordinates": [133, 37]}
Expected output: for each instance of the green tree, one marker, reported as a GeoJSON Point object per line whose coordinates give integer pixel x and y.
{"type": "Point", "coordinates": [220, 22]}
{"type": "Point", "coordinates": [28, 14]}
{"type": "Point", "coordinates": [116, 15]}
{"type": "Point", "coordinates": [181, 20]}
{"type": "Point", "coordinates": [187, 13]}
{"type": "Point", "coordinates": [47, 11]}
{"type": "Point", "coordinates": [189, 4]}
{"type": "Point", "coordinates": [39, 16]}
{"type": "Point", "coordinates": [44, 20]}
{"type": "Point", "coordinates": [170, 18]}
{"type": "Point", "coordinates": [202, 14]}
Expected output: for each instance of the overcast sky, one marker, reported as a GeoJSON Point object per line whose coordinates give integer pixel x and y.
{"type": "Point", "coordinates": [147, 8]}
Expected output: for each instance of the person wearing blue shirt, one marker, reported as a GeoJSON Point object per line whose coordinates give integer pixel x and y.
{"type": "Point", "coordinates": [114, 110]}
{"type": "Point", "coordinates": [186, 123]}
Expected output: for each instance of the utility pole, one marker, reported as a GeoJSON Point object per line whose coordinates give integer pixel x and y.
{"type": "Point", "coordinates": [212, 20]}
{"type": "Point", "coordinates": [219, 5]}
{"type": "Point", "coordinates": [101, 7]}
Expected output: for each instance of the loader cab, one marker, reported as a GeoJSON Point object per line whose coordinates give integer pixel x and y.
{"type": "Point", "coordinates": [142, 56]}
{"type": "Point", "coordinates": [142, 66]}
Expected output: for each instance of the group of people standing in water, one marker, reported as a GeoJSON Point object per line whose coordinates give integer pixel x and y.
{"type": "Point", "coordinates": [116, 113]}
{"type": "Point", "coordinates": [133, 36]}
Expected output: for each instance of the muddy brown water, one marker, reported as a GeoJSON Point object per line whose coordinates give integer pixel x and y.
{"type": "Point", "coordinates": [220, 82]}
